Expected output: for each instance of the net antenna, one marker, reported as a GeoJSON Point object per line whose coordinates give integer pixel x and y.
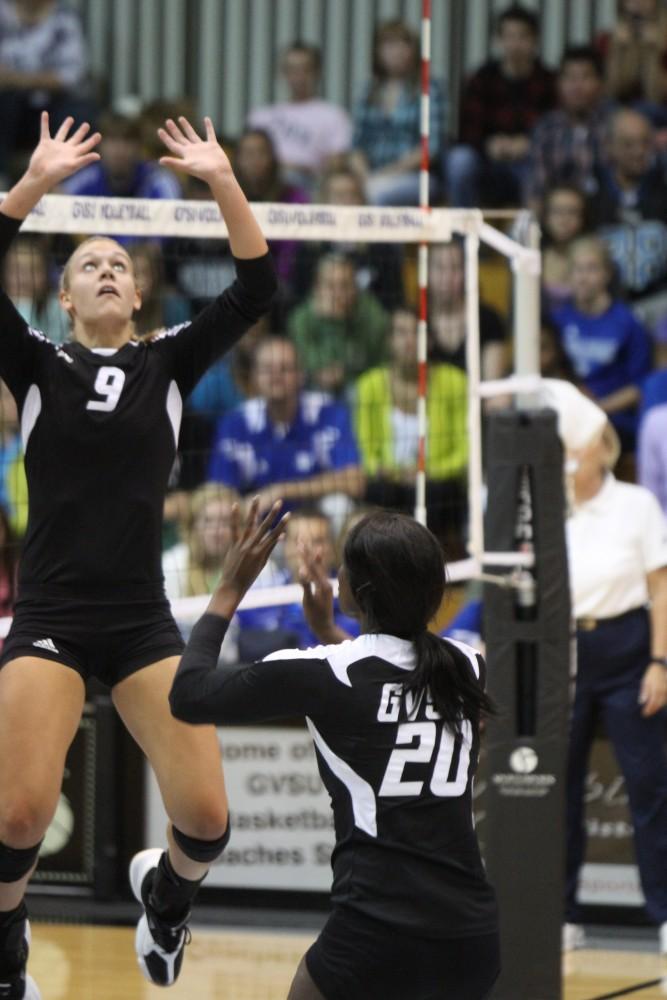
{"type": "Point", "coordinates": [422, 267]}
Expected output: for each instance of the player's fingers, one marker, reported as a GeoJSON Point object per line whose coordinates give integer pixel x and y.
{"type": "Point", "coordinates": [172, 162]}
{"type": "Point", "coordinates": [318, 567]}
{"type": "Point", "coordinates": [279, 530]}
{"type": "Point", "coordinates": [172, 144]}
{"type": "Point", "coordinates": [44, 125]}
{"type": "Point", "coordinates": [77, 136]}
{"type": "Point", "coordinates": [175, 132]}
{"type": "Point", "coordinates": [269, 542]}
{"type": "Point", "coordinates": [210, 131]}
{"type": "Point", "coordinates": [188, 130]}
{"type": "Point", "coordinates": [90, 143]}
{"type": "Point", "coordinates": [251, 518]}
{"type": "Point", "coordinates": [85, 161]}
{"type": "Point", "coordinates": [265, 523]}
{"type": "Point", "coordinates": [61, 134]}
{"type": "Point", "coordinates": [313, 568]}
{"type": "Point", "coordinates": [235, 514]}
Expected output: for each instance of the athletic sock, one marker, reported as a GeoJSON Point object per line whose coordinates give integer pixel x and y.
{"type": "Point", "coordinates": [171, 895]}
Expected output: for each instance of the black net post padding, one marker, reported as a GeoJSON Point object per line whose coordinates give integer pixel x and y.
{"type": "Point", "coordinates": [528, 657]}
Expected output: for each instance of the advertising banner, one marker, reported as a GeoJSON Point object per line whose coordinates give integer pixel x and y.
{"type": "Point", "coordinates": [282, 825]}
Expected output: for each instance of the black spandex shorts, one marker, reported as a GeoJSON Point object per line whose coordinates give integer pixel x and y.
{"type": "Point", "coordinates": [109, 641]}
{"type": "Point", "coordinates": [358, 958]}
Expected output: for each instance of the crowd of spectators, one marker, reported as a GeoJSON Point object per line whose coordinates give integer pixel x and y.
{"type": "Point", "coordinates": [319, 402]}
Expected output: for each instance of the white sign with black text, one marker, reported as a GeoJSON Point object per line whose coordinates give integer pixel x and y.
{"type": "Point", "coordinates": [282, 825]}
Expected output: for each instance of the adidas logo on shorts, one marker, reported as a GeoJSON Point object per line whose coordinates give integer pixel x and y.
{"type": "Point", "coordinates": [46, 644]}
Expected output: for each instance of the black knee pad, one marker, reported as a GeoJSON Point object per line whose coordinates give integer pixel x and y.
{"type": "Point", "coordinates": [15, 863]}
{"type": "Point", "coordinates": [204, 851]}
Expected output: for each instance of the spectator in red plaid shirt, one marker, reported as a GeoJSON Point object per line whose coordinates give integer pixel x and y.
{"type": "Point", "coordinates": [500, 104]}
{"type": "Point", "coordinates": [568, 144]}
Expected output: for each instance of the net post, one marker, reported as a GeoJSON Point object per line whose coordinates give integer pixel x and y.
{"type": "Point", "coordinates": [528, 657]}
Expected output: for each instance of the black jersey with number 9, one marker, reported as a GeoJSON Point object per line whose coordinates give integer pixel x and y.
{"type": "Point", "coordinates": [100, 431]}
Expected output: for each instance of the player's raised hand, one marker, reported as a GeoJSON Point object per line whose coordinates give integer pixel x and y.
{"type": "Point", "coordinates": [318, 606]}
{"type": "Point", "coordinates": [253, 539]}
{"type": "Point", "coordinates": [202, 158]}
{"type": "Point", "coordinates": [57, 157]}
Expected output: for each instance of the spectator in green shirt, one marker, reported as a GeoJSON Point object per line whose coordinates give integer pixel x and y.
{"type": "Point", "coordinates": [385, 416]}
{"type": "Point", "coordinates": [339, 331]}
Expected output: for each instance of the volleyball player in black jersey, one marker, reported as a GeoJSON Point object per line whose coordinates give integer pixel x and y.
{"type": "Point", "coordinates": [394, 715]}
{"type": "Point", "coordinates": [99, 420]}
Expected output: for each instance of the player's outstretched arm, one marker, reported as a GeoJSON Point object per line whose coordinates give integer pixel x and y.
{"type": "Point", "coordinates": [206, 160]}
{"type": "Point", "coordinates": [200, 693]}
{"type": "Point", "coordinates": [54, 158]}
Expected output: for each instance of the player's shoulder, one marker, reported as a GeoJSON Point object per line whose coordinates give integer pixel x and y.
{"type": "Point", "coordinates": [39, 341]}
{"type": "Point", "coordinates": [334, 661]}
{"type": "Point", "coordinates": [165, 335]}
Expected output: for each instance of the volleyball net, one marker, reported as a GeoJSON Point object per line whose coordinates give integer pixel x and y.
{"type": "Point", "coordinates": [382, 306]}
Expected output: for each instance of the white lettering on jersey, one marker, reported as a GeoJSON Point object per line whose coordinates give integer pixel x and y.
{"type": "Point", "coordinates": [109, 383]}
{"type": "Point", "coordinates": [449, 776]}
{"type": "Point", "coordinates": [390, 704]}
{"type": "Point", "coordinates": [394, 694]}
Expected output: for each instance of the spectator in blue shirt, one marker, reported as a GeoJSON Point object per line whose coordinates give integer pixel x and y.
{"type": "Point", "coordinates": [609, 348]}
{"type": "Point", "coordinates": [286, 443]}
{"type": "Point", "coordinates": [122, 171]}
{"type": "Point", "coordinates": [386, 118]}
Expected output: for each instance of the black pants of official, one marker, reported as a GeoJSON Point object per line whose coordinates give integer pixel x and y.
{"type": "Point", "coordinates": [611, 660]}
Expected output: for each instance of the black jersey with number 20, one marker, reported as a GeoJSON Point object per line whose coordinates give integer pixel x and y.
{"type": "Point", "coordinates": [100, 431]}
{"type": "Point", "coordinates": [400, 781]}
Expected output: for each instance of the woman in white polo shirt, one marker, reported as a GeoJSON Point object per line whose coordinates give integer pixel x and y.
{"type": "Point", "coordinates": [617, 545]}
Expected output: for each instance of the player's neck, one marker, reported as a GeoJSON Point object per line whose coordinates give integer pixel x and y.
{"type": "Point", "coordinates": [96, 335]}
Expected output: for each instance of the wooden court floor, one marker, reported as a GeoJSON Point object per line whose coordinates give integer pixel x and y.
{"type": "Point", "coordinates": [80, 962]}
